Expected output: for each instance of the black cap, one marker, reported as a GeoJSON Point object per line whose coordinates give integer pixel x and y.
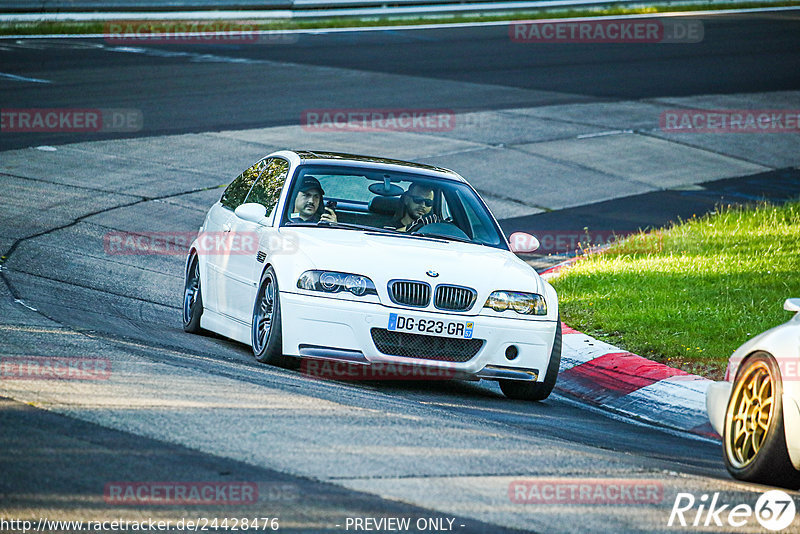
{"type": "Point", "coordinates": [309, 182]}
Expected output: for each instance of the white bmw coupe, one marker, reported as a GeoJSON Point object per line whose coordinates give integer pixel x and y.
{"type": "Point", "coordinates": [756, 409]}
{"type": "Point", "coordinates": [369, 261]}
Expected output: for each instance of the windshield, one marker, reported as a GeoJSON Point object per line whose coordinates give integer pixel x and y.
{"type": "Point", "coordinates": [392, 202]}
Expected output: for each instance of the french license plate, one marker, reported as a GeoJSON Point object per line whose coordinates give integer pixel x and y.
{"type": "Point", "coordinates": [436, 327]}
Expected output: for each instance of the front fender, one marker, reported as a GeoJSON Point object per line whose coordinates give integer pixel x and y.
{"type": "Point", "coordinates": [791, 424]}
{"type": "Point", "coordinates": [192, 252]}
{"type": "Point", "coordinates": [551, 298]}
{"type": "Point", "coordinates": [718, 395]}
{"type": "Point", "coordinates": [205, 283]}
{"type": "Point", "coordinates": [289, 263]}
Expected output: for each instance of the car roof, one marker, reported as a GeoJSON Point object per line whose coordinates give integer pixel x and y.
{"type": "Point", "coordinates": [339, 158]}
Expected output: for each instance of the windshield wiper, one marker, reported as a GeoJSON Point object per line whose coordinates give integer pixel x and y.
{"type": "Point", "coordinates": [392, 231]}
{"type": "Point", "coordinates": [445, 237]}
{"type": "Point", "coordinates": [351, 226]}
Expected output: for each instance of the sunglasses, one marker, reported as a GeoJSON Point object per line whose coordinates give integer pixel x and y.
{"type": "Point", "coordinates": [422, 200]}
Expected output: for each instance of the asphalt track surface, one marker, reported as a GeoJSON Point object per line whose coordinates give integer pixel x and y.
{"type": "Point", "coordinates": [198, 88]}
{"type": "Point", "coordinates": [200, 409]}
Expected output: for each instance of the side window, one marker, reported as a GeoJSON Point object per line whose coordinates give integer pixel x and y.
{"type": "Point", "coordinates": [267, 189]}
{"type": "Point", "coordinates": [236, 192]}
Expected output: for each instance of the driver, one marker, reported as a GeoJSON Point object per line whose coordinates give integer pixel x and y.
{"type": "Point", "coordinates": [308, 203]}
{"type": "Point", "coordinates": [415, 209]}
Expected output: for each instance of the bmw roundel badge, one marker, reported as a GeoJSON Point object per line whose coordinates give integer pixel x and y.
{"type": "Point", "coordinates": [432, 274]}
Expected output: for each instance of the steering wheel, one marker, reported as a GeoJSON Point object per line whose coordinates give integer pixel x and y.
{"type": "Point", "coordinates": [443, 222]}
{"type": "Point", "coordinates": [422, 221]}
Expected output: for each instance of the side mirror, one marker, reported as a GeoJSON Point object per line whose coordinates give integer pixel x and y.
{"type": "Point", "coordinates": [792, 305]}
{"type": "Point", "coordinates": [252, 212]}
{"type": "Point", "coordinates": [522, 242]}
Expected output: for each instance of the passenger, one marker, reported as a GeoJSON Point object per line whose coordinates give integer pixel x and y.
{"type": "Point", "coordinates": [308, 203]}
{"type": "Point", "coordinates": [415, 209]}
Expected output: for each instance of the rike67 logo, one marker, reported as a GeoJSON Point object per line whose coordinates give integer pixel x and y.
{"type": "Point", "coordinates": [775, 510]}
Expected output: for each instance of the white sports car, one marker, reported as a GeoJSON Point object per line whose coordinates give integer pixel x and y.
{"type": "Point", "coordinates": [373, 262]}
{"type": "Point", "coordinates": [756, 409]}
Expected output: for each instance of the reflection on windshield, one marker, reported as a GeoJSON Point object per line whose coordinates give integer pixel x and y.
{"type": "Point", "coordinates": [389, 202]}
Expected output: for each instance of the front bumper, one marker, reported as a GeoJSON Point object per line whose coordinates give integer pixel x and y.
{"type": "Point", "coordinates": [322, 327]}
{"type": "Point", "coordinates": [717, 397]}
{"type": "Point", "coordinates": [791, 421]}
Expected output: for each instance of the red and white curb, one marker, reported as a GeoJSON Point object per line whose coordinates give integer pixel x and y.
{"type": "Point", "coordinates": [627, 384]}
{"type": "Point", "coordinates": [622, 382]}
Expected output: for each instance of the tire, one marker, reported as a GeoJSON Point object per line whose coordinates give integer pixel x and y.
{"type": "Point", "coordinates": [537, 391]}
{"type": "Point", "coordinates": [754, 440]}
{"type": "Point", "coordinates": [265, 333]}
{"type": "Point", "coordinates": [192, 298]}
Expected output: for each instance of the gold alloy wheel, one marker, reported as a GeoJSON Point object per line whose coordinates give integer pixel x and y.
{"type": "Point", "coordinates": [749, 414]}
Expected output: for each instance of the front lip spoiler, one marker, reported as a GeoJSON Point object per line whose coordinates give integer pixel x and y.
{"type": "Point", "coordinates": [490, 372]}
{"type": "Point", "coordinates": [495, 372]}
{"type": "Point", "coordinates": [332, 353]}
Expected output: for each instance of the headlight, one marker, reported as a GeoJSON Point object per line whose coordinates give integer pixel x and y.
{"type": "Point", "coordinates": [523, 303]}
{"type": "Point", "coordinates": [335, 282]}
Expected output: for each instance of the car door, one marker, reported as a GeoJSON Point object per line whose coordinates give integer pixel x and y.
{"type": "Point", "coordinates": [217, 219]}
{"type": "Point", "coordinates": [240, 270]}
{"type": "Point", "coordinates": [218, 225]}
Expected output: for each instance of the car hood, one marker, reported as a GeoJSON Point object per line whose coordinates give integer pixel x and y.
{"type": "Point", "coordinates": [384, 257]}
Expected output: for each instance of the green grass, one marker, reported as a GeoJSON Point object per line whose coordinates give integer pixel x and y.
{"type": "Point", "coordinates": [99, 27]}
{"type": "Point", "coordinates": [690, 294]}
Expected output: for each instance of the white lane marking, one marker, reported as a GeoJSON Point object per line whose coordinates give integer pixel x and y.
{"type": "Point", "coordinates": [44, 44]}
{"type": "Point", "coordinates": [603, 134]}
{"type": "Point", "coordinates": [16, 78]}
{"type": "Point", "coordinates": [197, 58]}
{"type": "Point", "coordinates": [223, 15]}
{"type": "Point", "coordinates": [19, 301]}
